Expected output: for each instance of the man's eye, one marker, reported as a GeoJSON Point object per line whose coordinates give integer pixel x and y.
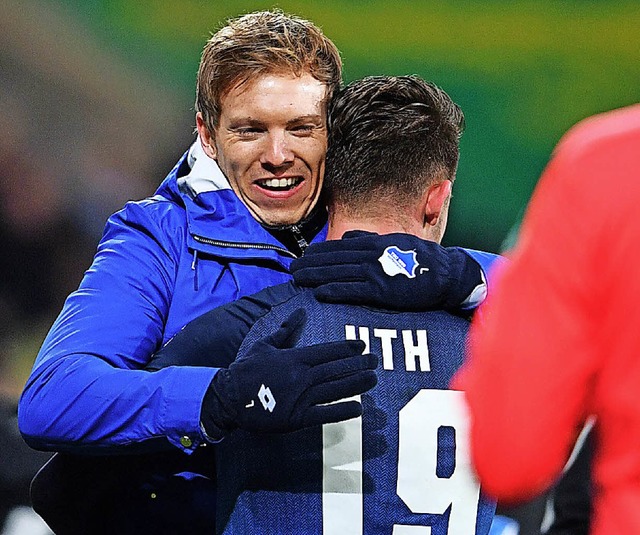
{"type": "Point", "coordinates": [248, 132]}
{"type": "Point", "coordinates": [303, 129]}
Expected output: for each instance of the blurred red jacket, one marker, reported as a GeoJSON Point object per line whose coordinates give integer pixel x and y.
{"type": "Point", "coordinates": [558, 339]}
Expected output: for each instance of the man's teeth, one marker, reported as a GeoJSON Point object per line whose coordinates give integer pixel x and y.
{"type": "Point", "coordinates": [279, 182]}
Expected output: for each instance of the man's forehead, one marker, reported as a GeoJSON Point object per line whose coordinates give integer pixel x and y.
{"type": "Point", "coordinates": [304, 88]}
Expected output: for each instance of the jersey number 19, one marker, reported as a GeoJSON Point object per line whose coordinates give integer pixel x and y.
{"type": "Point", "coordinates": [419, 486]}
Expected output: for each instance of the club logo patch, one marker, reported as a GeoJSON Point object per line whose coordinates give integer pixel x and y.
{"type": "Point", "coordinates": [395, 261]}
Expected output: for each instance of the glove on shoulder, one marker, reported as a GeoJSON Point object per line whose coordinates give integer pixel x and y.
{"type": "Point", "coordinates": [395, 271]}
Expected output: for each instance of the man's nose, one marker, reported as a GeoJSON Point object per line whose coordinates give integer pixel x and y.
{"type": "Point", "coordinates": [277, 151]}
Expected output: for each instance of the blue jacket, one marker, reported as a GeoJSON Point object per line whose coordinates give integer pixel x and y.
{"type": "Point", "coordinates": [161, 262]}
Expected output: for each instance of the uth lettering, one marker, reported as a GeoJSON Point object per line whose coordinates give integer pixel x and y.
{"type": "Point", "coordinates": [414, 346]}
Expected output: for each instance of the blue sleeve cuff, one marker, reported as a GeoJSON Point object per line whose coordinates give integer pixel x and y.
{"type": "Point", "coordinates": [479, 293]}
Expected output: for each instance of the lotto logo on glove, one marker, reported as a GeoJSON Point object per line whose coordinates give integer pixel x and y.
{"type": "Point", "coordinates": [313, 385]}
{"type": "Point", "coordinates": [395, 261]}
{"type": "Point", "coordinates": [266, 398]}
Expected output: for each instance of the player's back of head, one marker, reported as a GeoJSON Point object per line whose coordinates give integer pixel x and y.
{"type": "Point", "coordinates": [389, 138]}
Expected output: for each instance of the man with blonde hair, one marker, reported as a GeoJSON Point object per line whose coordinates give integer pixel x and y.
{"type": "Point", "coordinates": [228, 220]}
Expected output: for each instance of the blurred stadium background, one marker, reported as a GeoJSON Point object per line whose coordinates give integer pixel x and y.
{"type": "Point", "coordinates": [96, 103]}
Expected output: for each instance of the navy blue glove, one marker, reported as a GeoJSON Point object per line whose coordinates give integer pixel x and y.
{"type": "Point", "coordinates": [394, 271]}
{"type": "Point", "coordinates": [278, 388]}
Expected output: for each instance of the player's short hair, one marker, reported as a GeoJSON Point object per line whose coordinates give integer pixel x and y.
{"type": "Point", "coordinates": [390, 137]}
{"type": "Point", "coordinates": [263, 42]}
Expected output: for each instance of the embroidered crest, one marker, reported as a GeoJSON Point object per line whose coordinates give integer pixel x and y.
{"type": "Point", "coordinates": [395, 261]}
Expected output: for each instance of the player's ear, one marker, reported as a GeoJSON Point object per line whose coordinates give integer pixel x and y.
{"type": "Point", "coordinates": [206, 137]}
{"type": "Point", "coordinates": [435, 199]}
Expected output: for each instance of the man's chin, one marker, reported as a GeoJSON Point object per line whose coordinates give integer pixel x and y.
{"type": "Point", "coordinates": [280, 222]}
{"type": "Point", "coordinates": [280, 218]}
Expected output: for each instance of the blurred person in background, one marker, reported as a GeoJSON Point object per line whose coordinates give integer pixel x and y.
{"type": "Point", "coordinates": [41, 260]}
{"type": "Point", "coordinates": [44, 252]}
{"type": "Point", "coordinates": [537, 372]}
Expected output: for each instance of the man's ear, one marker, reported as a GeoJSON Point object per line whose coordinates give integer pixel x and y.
{"type": "Point", "coordinates": [434, 200]}
{"type": "Point", "coordinates": [206, 139]}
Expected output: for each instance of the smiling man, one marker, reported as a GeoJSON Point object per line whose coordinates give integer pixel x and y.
{"type": "Point", "coordinates": [228, 220]}
{"type": "Point", "coordinates": [270, 142]}
{"type": "Point", "coordinates": [218, 228]}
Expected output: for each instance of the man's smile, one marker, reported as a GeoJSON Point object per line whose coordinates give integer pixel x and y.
{"type": "Point", "coordinates": [279, 184]}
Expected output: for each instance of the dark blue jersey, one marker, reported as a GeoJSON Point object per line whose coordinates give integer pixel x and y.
{"type": "Point", "coordinates": [403, 468]}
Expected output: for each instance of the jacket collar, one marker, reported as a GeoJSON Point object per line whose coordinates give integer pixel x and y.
{"type": "Point", "coordinates": [214, 211]}
{"type": "Point", "coordinates": [204, 175]}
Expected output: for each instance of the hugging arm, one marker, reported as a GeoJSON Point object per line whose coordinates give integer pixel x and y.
{"type": "Point", "coordinates": [302, 380]}
{"type": "Point", "coordinates": [395, 271]}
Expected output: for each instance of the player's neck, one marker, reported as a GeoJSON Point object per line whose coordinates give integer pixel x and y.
{"type": "Point", "coordinates": [339, 225]}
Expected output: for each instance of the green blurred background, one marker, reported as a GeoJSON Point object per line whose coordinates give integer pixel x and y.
{"type": "Point", "coordinates": [96, 104]}
{"type": "Point", "coordinates": [523, 72]}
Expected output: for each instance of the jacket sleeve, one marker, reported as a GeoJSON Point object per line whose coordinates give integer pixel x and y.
{"type": "Point", "coordinates": [488, 263]}
{"type": "Point", "coordinates": [88, 389]}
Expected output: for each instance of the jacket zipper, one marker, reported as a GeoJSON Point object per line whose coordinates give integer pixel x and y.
{"type": "Point", "coordinates": [237, 245]}
{"type": "Point", "coordinates": [297, 234]}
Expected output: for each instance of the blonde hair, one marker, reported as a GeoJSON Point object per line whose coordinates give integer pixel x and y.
{"type": "Point", "coordinates": [263, 42]}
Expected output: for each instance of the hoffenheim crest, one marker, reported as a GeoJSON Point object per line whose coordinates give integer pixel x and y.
{"type": "Point", "coordinates": [395, 261]}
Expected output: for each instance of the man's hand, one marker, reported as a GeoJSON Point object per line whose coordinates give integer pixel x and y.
{"type": "Point", "coordinates": [395, 271]}
{"type": "Point", "coordinates": [276, 387]}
